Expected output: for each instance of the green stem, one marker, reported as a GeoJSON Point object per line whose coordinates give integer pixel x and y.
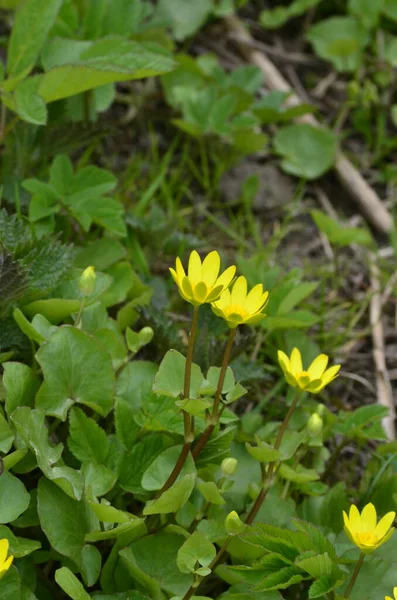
{"type": "Point", "coordinates": [355, 574]}
{"type": "Point", "coordinates": [267, 480]}
{"type": "Point", "coordinates": [193, 588]}
{"type": "Point", "coordinates": [218, 394]}
{"type": "Point", "coordinates": [187, 421]}
{"type": "Point", "coordinates": [80, 313]}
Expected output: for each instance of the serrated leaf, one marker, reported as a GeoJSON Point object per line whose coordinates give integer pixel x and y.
{"type": "Point", "coordinates": [317, 565]}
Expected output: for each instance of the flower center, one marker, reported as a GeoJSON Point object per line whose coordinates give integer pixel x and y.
{"type": "Point", "coordinates": [236, 312]}
{"type": "Point", "coordinates": [367, 538]}
{"type": "Point", "coordinates": [303, 379]}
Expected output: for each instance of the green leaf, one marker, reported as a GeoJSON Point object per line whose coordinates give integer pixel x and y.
{"type": "Point", "coordinates": [194, 407]}
{"type": "Point", "coordinates": [276, 17]}
{"type": "Point", "coordinates": [98, 477]}
{"type": "Point", "coordinates": [70, 584]}
{"type": "Point", "coordinates": [152, 563]}
{"type": "Point", "coordinates": [31, 427]}
{"type": "Point", "coordinates": [263, 452]}
{"type": "Point", "coordinates": [172, 499]}
{"type": "Point", "coordinates": [210, 492]}
{"type": "Point", "coordinates": [87, 440]}
{"type": "Point", "coordinates": [298, 475]}
{"type": "Point", "coordinates": [109, 60]}
{"type": "Point", "coordinates": [196, 549]}
{"type": "Point", "coordinates": [341, 236]}
{"type": "Point", "coordinates": [64, 521]}
{"type": "Point", "coordinates": [133, 464]}
{"type": "Point", "coordinates": [306, 151]}
{"type": "Point", "coordinates": [295, 296]}
{"type": "Point", "coordinates": [367, 11]}
{"type": "Point", "coordinates": [19, 547]}
{"type": "Point", "coordinates": [169, 380]}
{"type": "Point", "coordinates": [126, 428]}
{"type": "Point", "coordinates": [317, 565]}
{"type": "Point", "coordinates": [26, 327]}
{"type": "Point", "coordinates": [389, 8]}
{"type": "Point", "coordinates": [185, 17]}
{"type": "Point", "coordinates": [109, 514]}
{"type": "Point", "coordinates": [161, 468]}
{"type": "Point", "coordinates": [76, 369]}
{"type": "Point", "coordinates": [281, 579]}
{"type": "Point", "coordinates": [11, 585]}
{"type": "Point", "coordinates": [6, 435]}
{"type": "Point", "coordinates": [324, 585]}
{"type": "Point", "coordinates": [340, 40]}
{"type": "Point", "coordinates": [29, 105]}
{"type": "Point", "coordinates": [14, 499]}
{"type": "Point", "coordinates": [33, 21]}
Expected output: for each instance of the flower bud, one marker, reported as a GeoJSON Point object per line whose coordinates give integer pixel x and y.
{"type": "Point", "coordinates": [233, 524]}
{"type": "Point", "coordinates": [145, 335]}
{"type": "Point", "coordinates": [315, 425]}
{"type": "Point", "coordinates": [229, 466]}
{"type": "Point", "coordinates": [87, 281]}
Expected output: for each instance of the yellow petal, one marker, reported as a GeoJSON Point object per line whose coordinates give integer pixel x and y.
{"type": "Point", "coordinates": [354, 519]}
{"type": "Point", "coordinates": [330, 374]}
{"type": "Point", "coordinates": [194, 269]}
{"type": "Point", "coordinates": [255, 319]}
{"type": "Point", "coordinates": [200, 292]}
{"type": "Point", "coordinates": [8, 563]}
{"type": "Point", "coordinates": [284, 361]}
{"type": "Point", "coordinates": [214, 294]}
{"type": "Point", "coordinates": [226, 278]}
{"type": "Point", "coordinates": [384, 524]}
{"type": "Point", "coordinates": [239, 291]}
{"type": "Point", "coordinates": [180, 271]}
{"type": "Point", "coordinates": [174, 276]}
{"type": "Point", "coordinates": [253, 300]}
{"type": "Point", "coordinates": [388, 597]}
{"type": "Point", "coordinates": [210, 268]}
{"type": "Point", "coordinates": [296, 362]}
{"type": "Point", "coordinates": [350, 535]}
{"type": "Point", "coordinates": [318, 366]}
{"type": "Point", "coordinates": [4, 545]}
{"type": "Point", "coordinates": [186, 288]}
{"type": "Point", "coordinates": [386, 538]}
{"type": "Point", "coordinates": [368, 518]}
{"type": "Point", "coordinates": [395, 592]}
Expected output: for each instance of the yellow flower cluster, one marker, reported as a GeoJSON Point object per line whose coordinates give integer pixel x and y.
{"type": "Point", "coordinates": [202, 284]}
{"type": "Point", "coordinates": [237, 306]}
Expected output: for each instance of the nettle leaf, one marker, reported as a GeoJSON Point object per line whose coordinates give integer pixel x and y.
{"type": "Point", "coordinates": [87, 440]}
{"type": "Point", "coordinates": [76, 369]}
{"type": "Point", "coordinates": [70, 584]}
{"type": "Point", "coordinates": [33, 22]}
{"type": "Point", "coordinates": [64, 521]}
{"type": "Point", "coordinates": [324, 584]}
{"type": "Point", "coordinates": [282, 579]}
{"type": "Point", "coordinates": [105, 61]}
{"type": "Point", "coordinates": [317, 565]}
{"type": "Point", "coordinates": [14, 499]}
{"type": "Point", "coordinates": [169, 380]}
{"type": "Point", "coordinates": [306, 151]}
{"type": "Point", "coordinates": [196, 549]}
{"type": "Point", "coordinates": [161, 468]}
{"type": "Point", "coordinates": [172, 499]}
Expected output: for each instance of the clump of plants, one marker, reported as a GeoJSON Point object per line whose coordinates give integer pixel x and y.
{"type": "Point", "coordinates": [123, 478]}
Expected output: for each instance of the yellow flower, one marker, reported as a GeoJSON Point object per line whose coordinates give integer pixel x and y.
{"type": "Point", "coordinates": [314, 379]}
{"type": "Point", "coordinates": [5, 563]}
{"type": "Point", "coordinates": [394, 593]}
{"type": "Point", "coordinates": [238, 307]}
{"type": "Point", "coordinates": [363, 531]}
{"type": "Point", "coordinates": [202, 284]}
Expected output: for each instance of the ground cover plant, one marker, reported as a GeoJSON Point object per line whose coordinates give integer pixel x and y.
{"type": "Point", "coordinates": [197, 317]}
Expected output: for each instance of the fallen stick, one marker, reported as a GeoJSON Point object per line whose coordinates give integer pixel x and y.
{"type": "Point", "coordinates": [369, 202]}
{"type": "Point", "coordinates": [383, 385]}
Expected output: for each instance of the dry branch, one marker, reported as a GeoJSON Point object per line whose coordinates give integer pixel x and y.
{"type": "Point", "coordinates": [368, 201]}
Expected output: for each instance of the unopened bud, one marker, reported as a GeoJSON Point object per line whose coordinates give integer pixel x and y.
{"type": "Point", "coordinates": [146, 335]}
{"type": "Point", "coordinates": [320, 410]}
{"type": "Point", "coordinates": [87, 281]}
{"type": "Point", "coordinates": [233, 524]}
{"type": "Point", "coordinates": [315, 425]}
{"type": "Point", "coordinates": [229, 466]}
